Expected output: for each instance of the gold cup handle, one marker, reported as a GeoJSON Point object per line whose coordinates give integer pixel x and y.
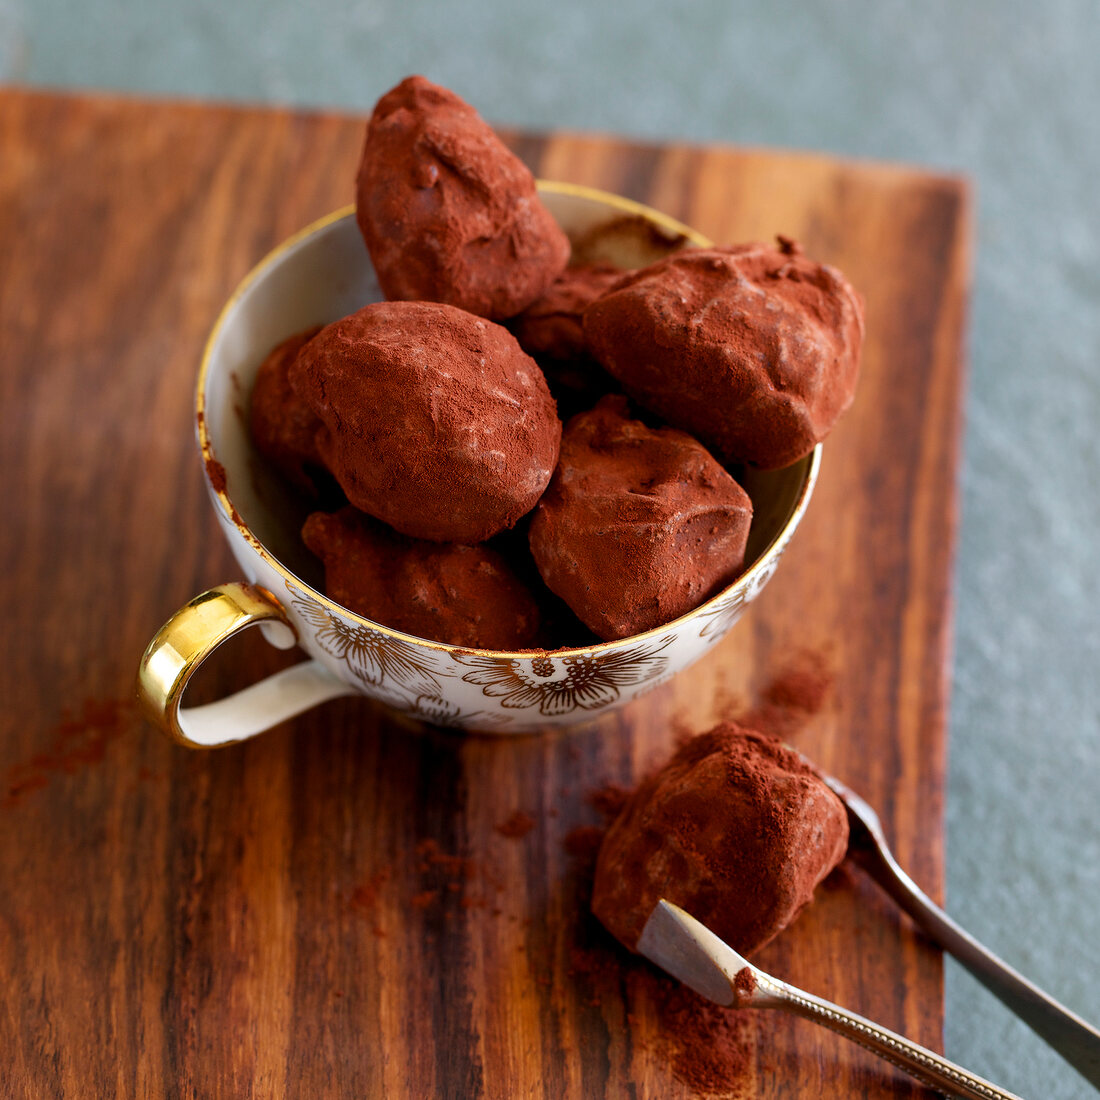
{"type": "Point", "coordinates": [196, 630]}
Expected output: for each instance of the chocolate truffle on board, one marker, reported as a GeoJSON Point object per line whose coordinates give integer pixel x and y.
{"type": "Point", "coordinates": [639, 525]}
{"type": "Point", "coordinates": [736, 829]}
{"type": "Point", "coordinates": [753, 350]}
{"type": "Point", "coordinates": [284, 428]}
{"type": "Point", "coordinates": [445, 592]}
{"type": "Point", "coordinates": [435, 421]}
{"type": "Point", "coordinates": [448, 212]}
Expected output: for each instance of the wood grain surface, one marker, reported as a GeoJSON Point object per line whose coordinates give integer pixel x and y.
{"type": "Point", "coordinates": [332, 910]}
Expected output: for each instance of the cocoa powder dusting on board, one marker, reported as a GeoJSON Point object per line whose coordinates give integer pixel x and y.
{"type": "Point", "coordinates": [78, 741]}
{"type": "Point", "coordinates": [710, 1048]}
{"type": "Point", "coordinates": [363, 899]}
{"type": "Point", "coordinates": [457, 869]}
{"type": "Point", "coordinates": [795, 694]}
{"type": "Point", "coordinates": [516, 826]}
{"type": "Point", "coordinates": [803, 684]}
{"type": "Point", "coordinates": [440, 875]}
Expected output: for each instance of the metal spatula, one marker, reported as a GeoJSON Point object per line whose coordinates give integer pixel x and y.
{"type": "Point", "coordinates": [1074, 1039]}
{"type": "Point", "coordinates": [690, 952]}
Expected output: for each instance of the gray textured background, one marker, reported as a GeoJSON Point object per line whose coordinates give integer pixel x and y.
{"type": "Point", "coordinates": [1004, 90]}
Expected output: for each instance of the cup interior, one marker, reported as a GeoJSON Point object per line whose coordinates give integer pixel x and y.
{"type": "Point", "coordinates": [324, 273]}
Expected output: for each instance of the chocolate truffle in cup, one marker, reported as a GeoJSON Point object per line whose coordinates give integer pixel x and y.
{"type": "Point", "coordinates": [639, 525]}
{"type": "Point", "coordinates": [737, 829]}
{"type": "Point", "coordinates": [753, 350]}
{"type": "Point", "coordinates": [283, 427]}
{"type": "Point", "coordinates": [459, 595]}
{"type": "Point", "coordinates": [448, 212]}
{"type": "Point", "coordinates": [554, 325]}
{"type": "Point", "coordinates": [434, 421]}
{"type": "Point", "coordinates": [552, 330]}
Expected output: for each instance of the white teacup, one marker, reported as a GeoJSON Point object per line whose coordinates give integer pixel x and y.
{"type": "Point", "coordinates": [318, 276]}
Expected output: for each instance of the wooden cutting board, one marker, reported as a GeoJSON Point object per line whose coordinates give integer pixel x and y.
{"type": "Point", "coordinates": [334, 908]}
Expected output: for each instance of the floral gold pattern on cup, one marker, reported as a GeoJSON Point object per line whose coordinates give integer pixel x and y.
{"type": "Point", "coordinates": [561, 685]}
{"type": "Point", "coordinates": [372, 657]}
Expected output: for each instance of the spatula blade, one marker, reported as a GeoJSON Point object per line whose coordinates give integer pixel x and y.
{"type": "Point", "coordinates": [690, 952]}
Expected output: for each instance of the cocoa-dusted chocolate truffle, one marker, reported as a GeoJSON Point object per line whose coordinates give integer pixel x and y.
{"type": "Point", "coordinates": [448, 212]}
{"type": "Point", "coordinates": [553, 332]}
{"type": "Point", "coordinates": [435, 420]}
{"type": "Point", "coordinates": [553, 325]}
{"type": "Point", "coordinates": [460, 595]}
{"type": "Point", "coordinates": [736, 829]}
{"type": "Point", "coordinates": [283, 426]}
{"type": "Point", "coordinates": [754, 350]}
{"type": "Point", "coordinates": [639, 525]}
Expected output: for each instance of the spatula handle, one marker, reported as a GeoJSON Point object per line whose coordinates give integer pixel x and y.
{"type": "Point", "coordinates": [1073, 1038]}
{"type": "Point", "coordinates": [920, 1063]}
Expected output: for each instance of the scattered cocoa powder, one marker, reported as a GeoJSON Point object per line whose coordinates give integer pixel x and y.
{"type": "Point", "coordinates": [216, 472]}
{"type": "Point", "coordinates": [79, 740]}
{"type": "Point", "coordinates": [597, 971]}
{"type": "Point", "coordinates": [459, 868]}
{"type": "Point", "coordinates": [590, 963]}
{"type": "Point", "coordinates": [803, 684]}
{"type": "Point", "coordinates": [792, 697]}
{"type": "Point", "coordinates": [745, 982]}
{"type": "Point", "coordinates": [710, 1048]}
{"type": "Point", "coordinates": [516, 826]}
{"type": "Point", "coordinates": [781, 723]}
{"type": "Point", "coordinates": [364, 897]}
{"type": "Point", "coordinates": [450, 876]}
